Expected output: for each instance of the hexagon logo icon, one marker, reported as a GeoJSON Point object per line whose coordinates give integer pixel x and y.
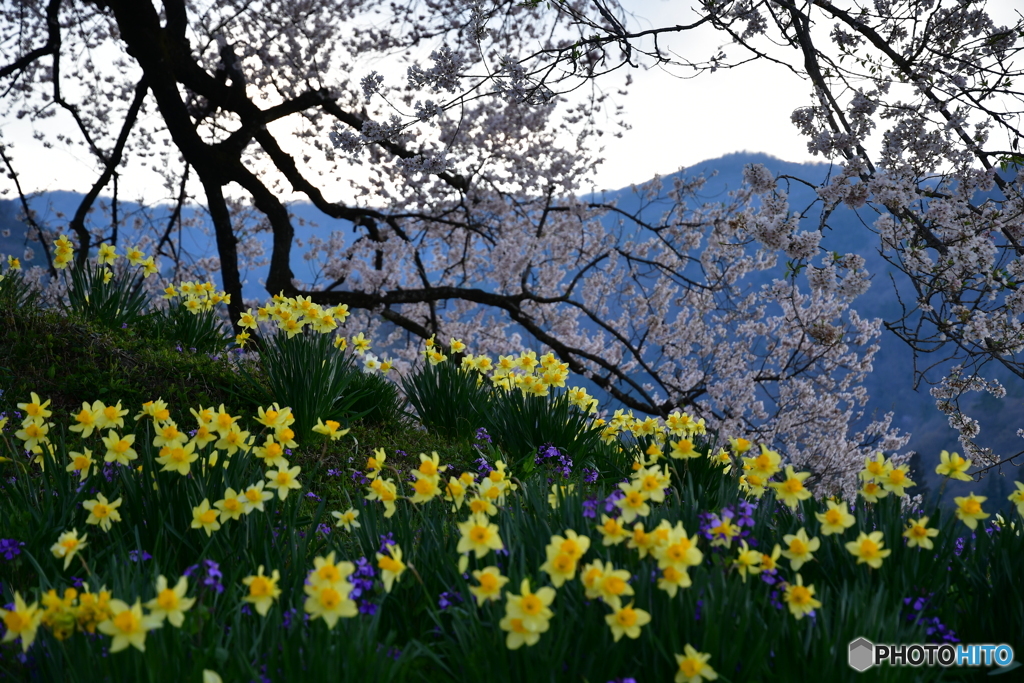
{"type": "Point", "coordinates": [862, 654]}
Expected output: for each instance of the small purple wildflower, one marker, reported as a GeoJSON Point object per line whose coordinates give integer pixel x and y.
{"type": "Point", "coordinates": [312, 496]}
{"type": "Point", "coordinates": [362, 578]}
{"type": "Point", "coordinates": [609, 503]}
{"type": "Point", "coordinates": [10, 548]}
{"type": "Point", "coordinates": [589, 477]}
{"type": "Point", "coordinates": [333, 473]}
{"type": "Point", "coordinates": [482, 465]}
{"type": "Point", "coordinates": [551, 454]}
{"type": "Point", "coordinates": [211, 575]}
{"type": "Point", "coordinates": [590, 508]}
{"type": "Point", "coordinates": [139, 555]}
{"type": "Point", "coordinates": [746, 514]}
{"type": "Point", "coordinates": [447, 599]}
{"type": "Point", "coordinates": [935, 630]}
{"type": "Point", "coordinates": [387, 540]}
{"type": "Point", "coordinates": [482, 435]}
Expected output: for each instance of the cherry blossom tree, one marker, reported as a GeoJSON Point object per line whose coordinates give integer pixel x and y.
{"type": "Point", "coordinates": [468, 218]}
{"type": "Point", "coordinates": [918, 103]}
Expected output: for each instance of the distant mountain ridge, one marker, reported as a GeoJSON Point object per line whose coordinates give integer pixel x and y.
{"type": "Point", "coordinates": [889, 385]}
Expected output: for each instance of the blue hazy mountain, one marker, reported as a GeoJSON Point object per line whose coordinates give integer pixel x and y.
{"type": "Point", "coordinates": [890, 385]}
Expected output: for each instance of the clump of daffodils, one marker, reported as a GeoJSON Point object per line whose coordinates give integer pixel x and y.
{"type": "Point", "coordinates": [292, 315]}
{"type": "Point", "coordinates": [197, 297]}
{"type": "Point", "coordinates": [64, 249]}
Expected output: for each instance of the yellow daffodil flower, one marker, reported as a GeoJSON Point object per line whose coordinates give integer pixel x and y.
{"type": "Point", "coordinates": [489, 584]}
{"type": "Point", "coordinates": [347, 519]}
{"type": "Point", "coordinates": [386, 492]}
{"type": "Point", "coordinates": [263, 590]}
{"type": "Point", "coordinates": [1017, 497]}
{"type": "Point", "coordinates": [612, 531]}
{"type": "Point", "coordinates": [868, 549]}
{"type": "Point", "coordinates": [627, 621]}
{"type": "Point", "coordinates": [800, 598]}
{"type": "Point", "coordinates": [634, 503]}
{"type": "Point", "coordinates": [613, 584]}
{"type": "Point", "coordinates": [693, 666]}
{"type": "Point", "coordinates": [791, 490]}
{"type": "Point", "coordinates": [748, 561]}
{"type": "Point", "coordinates": [271, 453]}
{"type": "Point", "coordinates": [128, 626]}
{"type": "Point", "coordinates": [968, 509]}
{"type": "Point", "coordinates": [875, 469]}
{"type": "Point", "coordinates": [81, 463]}
{"type": "Point", "coordinates": [479, 536]}
{"type": "Point", "coordinates": [836, 519]}
{"type": "Point", "coordinates": [766, 465]}
{"type": "Point", "coordinates": [205, 518]}
{"type": "Point", "coordinates": [329, 602]}
{"type": "Point", "coordinates": [527, 615]}
{"type": "Point", "coordinates": [107, 254]}
{"type": "Point", "coordinates": [86, 420]}
{"type": "Point", "coordinates": [800, 548]}
{"type": "Point", "coordinates": [102, 511]}
{"type": "Point", "coordinates": [177, 457]}
{"type": "Point", "coordinates": [919, 535]}
{"type": "Point", "coordinates": [171, 603]}
{"type": "Point", "coordinates": [683, 449]}
{"type": "Point", "coordinates": [283, 480]}
{"type": "Point", "coordinates": [391, 566]}
{"type": "Point", "coordinates": [119, 449]}
{"type": "Point", "coordinates": [68, 543]}
{"type": "Point", "coordinates": [871, 492]}
{"type": "Point", "coordinates": [672, 579]}
{"type": "Point", "coordinates": [897, 480]}
{"type": "Point", "coordinates": [36, 409]}
{"type": "Point", "coordinates": [953, 466]}
{"type": "Point", "coordinates": [330, 573]}
{"type": "Point", "coordinates": [21, 622]}
{"type": "Point", "coordinates": [255, 497]}
{"type": "Point", "coordinates": [231, 506]}
{"type": "Point", "coordinates": [330, 428]}
{"type": "Point", "coordinates": [678, 550]}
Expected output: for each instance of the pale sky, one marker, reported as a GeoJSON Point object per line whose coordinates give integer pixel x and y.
{"type": "Point", "coordinates": [682, 121]}
{"type": "Point", "coordinates": [675, 122]}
